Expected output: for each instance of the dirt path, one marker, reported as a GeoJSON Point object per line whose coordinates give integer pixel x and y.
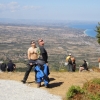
{"type": "Point", "coordinates": [60, 81]}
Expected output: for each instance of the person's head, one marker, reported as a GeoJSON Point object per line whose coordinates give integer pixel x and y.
{"type": "Point", "coordinates": [40, 42]}
{"type": "Point", "coordinates": [33, 44]}
{"type": "Point", "coordinates": [69, 54]}
{"type": "Point", "coordinates": [10, 60]}
{"type": "Point", "coordinates": [84, 60]}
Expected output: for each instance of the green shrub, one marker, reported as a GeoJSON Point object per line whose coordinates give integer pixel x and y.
{"type": "Point", "coordinates": [74, 90]}
{"type": "Point", "coordinates": [92, 88]}
{"type": "Point", "coordinates": [96, 81]}
{"type": "Point", "coordinates": [94, 97]}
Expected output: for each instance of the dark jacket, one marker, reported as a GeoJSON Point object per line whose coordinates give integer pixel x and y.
{"type": "Point", "coordinates": [85, 65]}
{"type": "Point", "coordinates": [10, 66]}
{"type": "Point", "coordinates": [43, 54]}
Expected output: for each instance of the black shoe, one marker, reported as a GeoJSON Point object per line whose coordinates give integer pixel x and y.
{"type": "Point", "coordinates": [23, 81]}
{"type": "Point", "coordinates": [48, 79]}
{"type": "Point", "coordinates": [47, 86]}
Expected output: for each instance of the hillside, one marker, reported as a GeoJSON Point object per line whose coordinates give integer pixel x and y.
{"type": "Point", "coordinates": [59, 41]}
{"type": "Point", "coordinates": [60, 81]}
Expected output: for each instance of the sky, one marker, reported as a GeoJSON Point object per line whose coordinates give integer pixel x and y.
{"type": "Point", "coordinates": [82, 10]}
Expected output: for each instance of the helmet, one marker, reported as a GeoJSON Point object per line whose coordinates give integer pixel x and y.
{"type": "Point", "coordinates": [69, 54]}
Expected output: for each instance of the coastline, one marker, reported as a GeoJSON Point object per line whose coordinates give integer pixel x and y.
{"type": "Point", "coordinates": [88, 29]}
{"type": "Point", "coordinates": [90, 32]}
{"type": "Point", "coordinates": [85, 33]}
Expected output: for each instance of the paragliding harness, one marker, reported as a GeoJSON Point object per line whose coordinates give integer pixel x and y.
{"type": "Point", "coordinates": [45, 76]}
{"type": "Point", "coordinates": [40, 63]}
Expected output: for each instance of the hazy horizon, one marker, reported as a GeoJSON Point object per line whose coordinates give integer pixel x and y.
{"type": "Point", "coordinates": [31, 21]}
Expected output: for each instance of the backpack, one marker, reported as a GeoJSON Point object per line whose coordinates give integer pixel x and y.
{"type": "Point", "coordinates": [69, 61]}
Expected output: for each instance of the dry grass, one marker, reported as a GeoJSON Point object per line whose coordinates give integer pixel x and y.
{"type": "Point", "coordinates": [60, 81]}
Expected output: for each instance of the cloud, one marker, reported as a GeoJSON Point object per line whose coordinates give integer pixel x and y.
{"type": "Point", "coordinates": [11, 7]}
{"type": "Point", "coordinates": [31, 7]}
{"type": "Point", "coordinates": [2, 7]}
{"type": "Point", "coordinates": [14, 6]}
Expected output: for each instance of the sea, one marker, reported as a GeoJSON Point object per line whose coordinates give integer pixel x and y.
{"type": "Point", "coordinates": [88, 27]}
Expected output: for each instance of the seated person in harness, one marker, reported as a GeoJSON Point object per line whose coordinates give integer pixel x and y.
{"type": "Point", "coordinates": [83, 66]}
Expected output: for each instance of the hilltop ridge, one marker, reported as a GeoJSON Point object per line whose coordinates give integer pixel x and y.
{"type": "Point", "coordinates": [60, 82]}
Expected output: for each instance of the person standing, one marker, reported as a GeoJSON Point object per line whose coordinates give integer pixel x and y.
{"type": "Point", "coordinates": [43, 53]}
{"type": "Point", "coordinates": [70, 64]}
{"type": "Point", "coordinates": [73, 64]}
{"type": "Point", "coordinates": [43, 56]}
{"type": "Point", "coordinates": [99, 62]}
{"type": "Point", "coordinates": [32, 57]}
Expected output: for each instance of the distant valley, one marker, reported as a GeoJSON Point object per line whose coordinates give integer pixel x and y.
{"type": "Point", "coordinates": [59, 41]}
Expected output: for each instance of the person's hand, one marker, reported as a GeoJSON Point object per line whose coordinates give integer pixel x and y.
{"type": "Point", "coordinates": [47, 64]}
{"type": "Point", "coordinates": [30, 63]}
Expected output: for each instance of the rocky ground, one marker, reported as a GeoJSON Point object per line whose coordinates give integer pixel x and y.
{"type": "Point", "coordinates": [60, 81]}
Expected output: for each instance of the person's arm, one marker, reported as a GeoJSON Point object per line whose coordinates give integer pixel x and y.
{"type": "Point", "coordinates": [43, 53]}
{"type": "Point", "coordinates": [29, 54]}
{"type": "Point", "coordinates": [14, 66]}
{"type": "Point", "coordinates": [83, 65]}
{"type": "Point", "coordinates": [44, 57]}
{"type": "Point", "coordinates": [7, 66]}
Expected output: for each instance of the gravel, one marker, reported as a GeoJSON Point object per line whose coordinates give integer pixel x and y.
{"type": "Point", "coordinates": [13, 90]}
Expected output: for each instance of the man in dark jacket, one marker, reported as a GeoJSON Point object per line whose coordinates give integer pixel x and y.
{"type": "Point", "coordinates": [83, 66]}
{"type": "Point", "coordinates": [10, 66]}
{"type": "Point", "coordinates": [43, 54]}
